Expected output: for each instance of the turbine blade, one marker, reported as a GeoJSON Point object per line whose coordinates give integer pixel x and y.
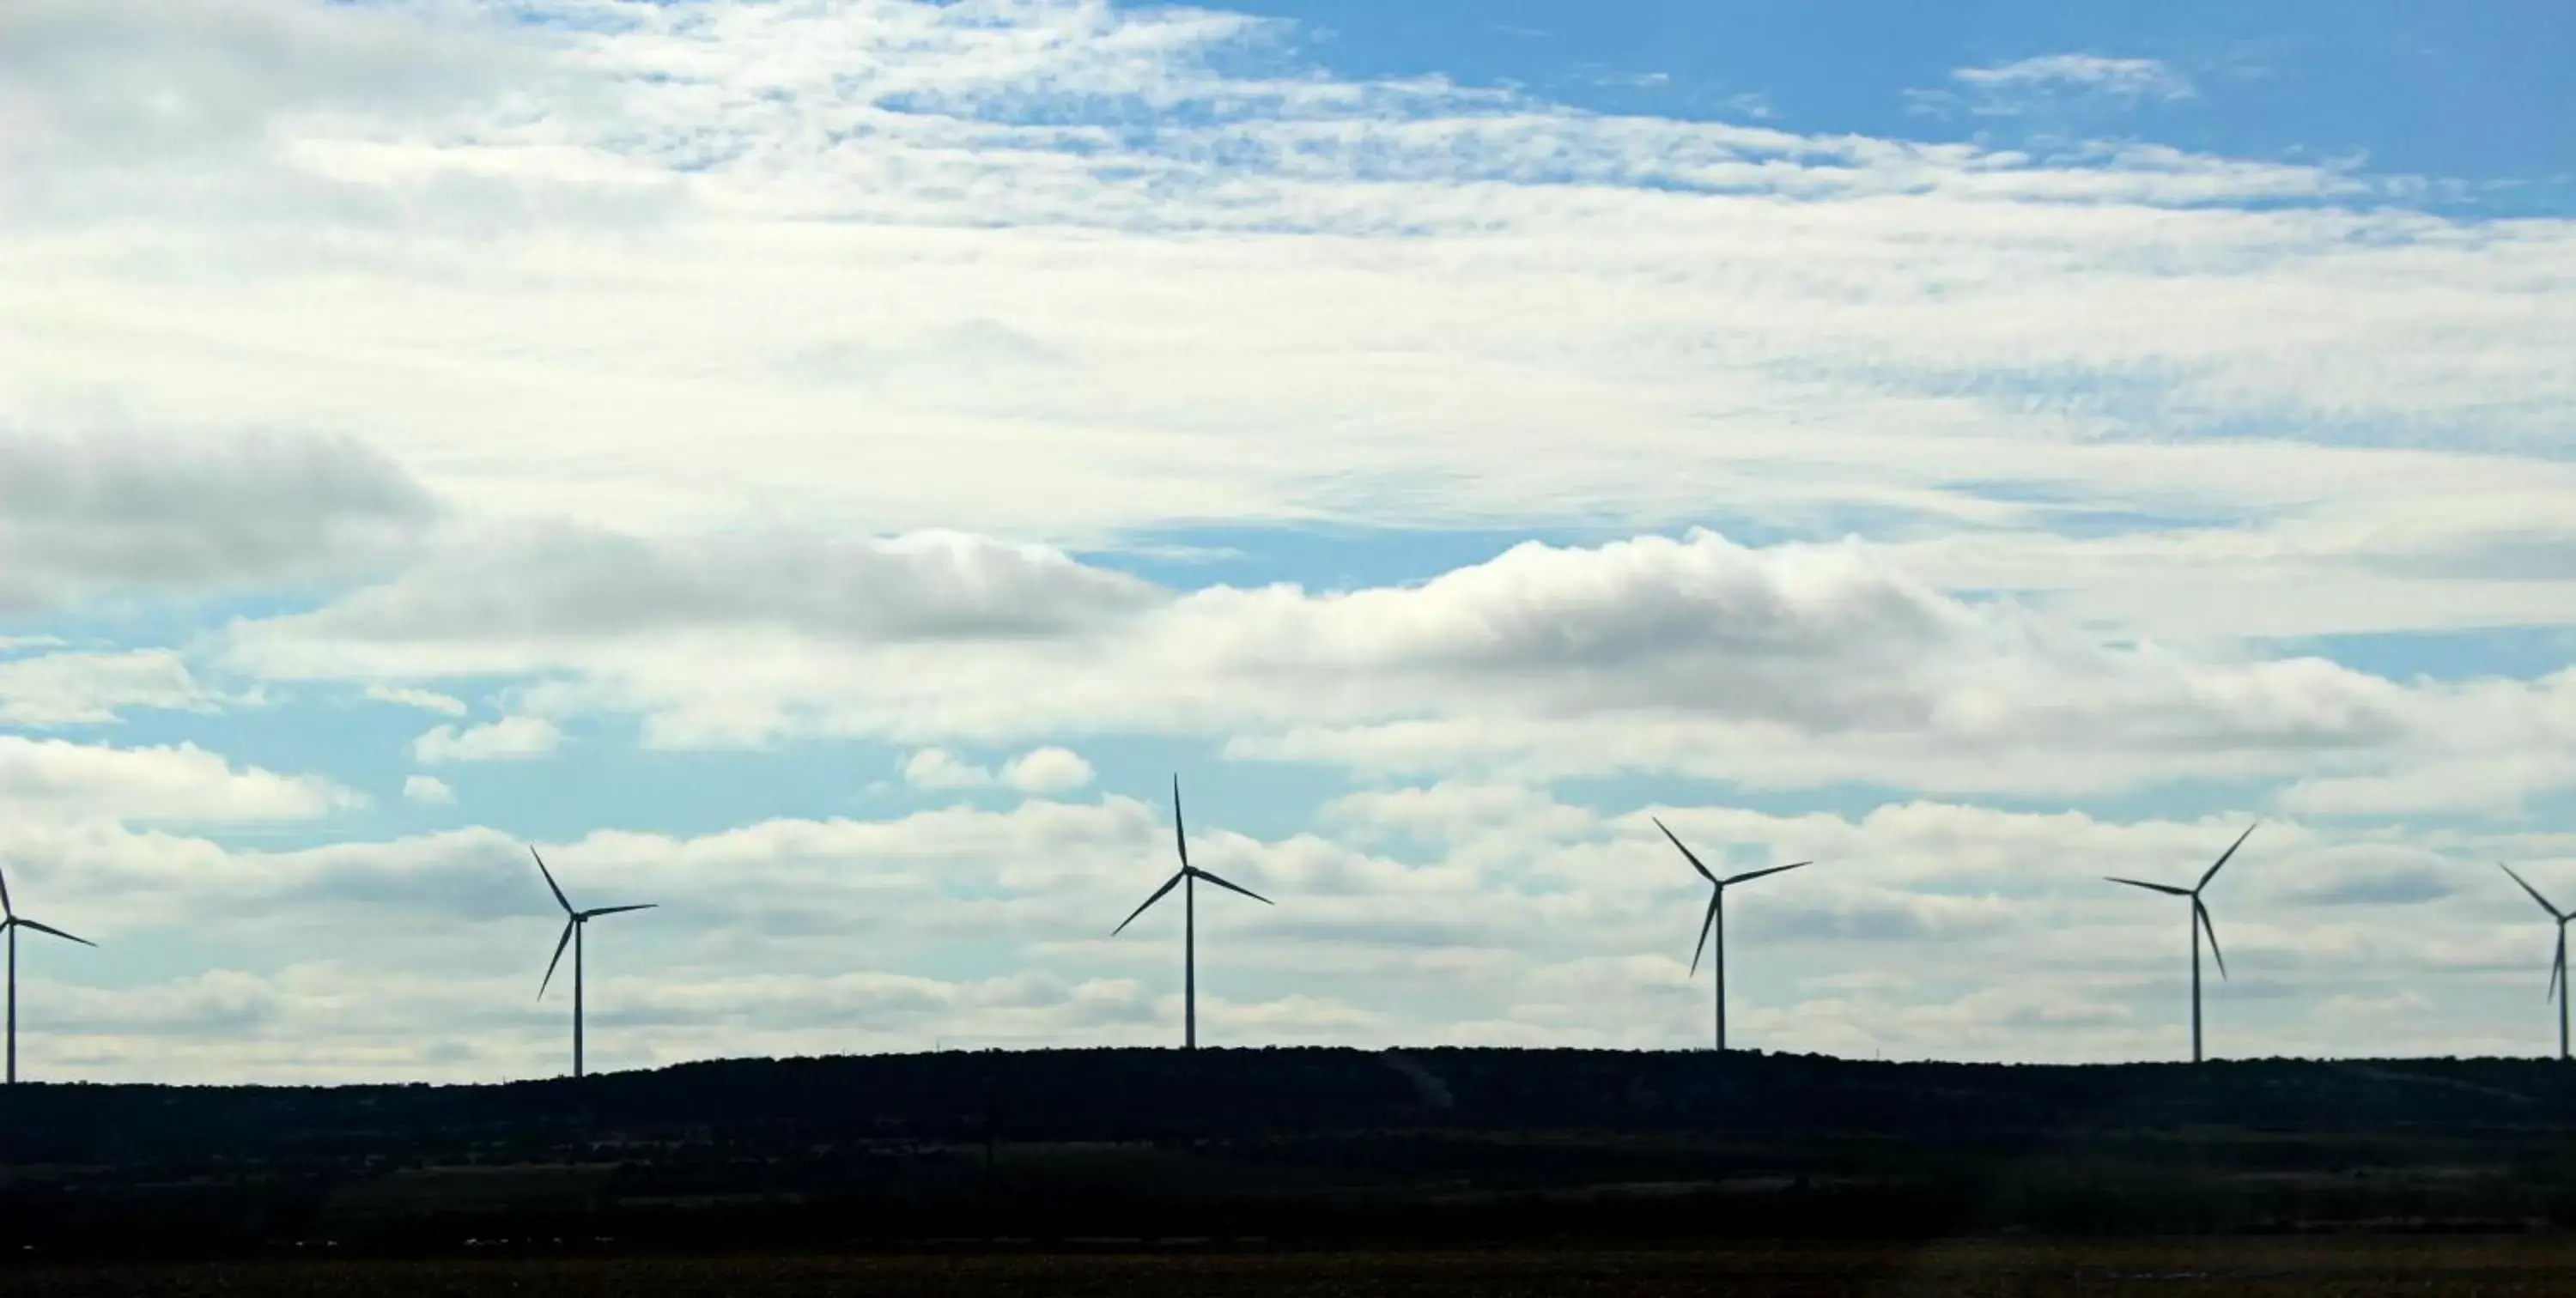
{"type": "Point", "coordinates": [550, 882]}
{"type": "Point", "coordinates": [1756, 874]}
{"type": "Point", "coordinates": [1234, 887]}
{"type": "Point", "coordinates": [2535, 892]}
{"type": "Point", "coordinates": [2222, 857]}
{"type": "Point", "coordinates": [617, 910]}
{"type": "Point", "coordinates": [2201, 913]}
{"type": "Point", "coordinates": [1686, 852]}
{"type": "Point", "coordinates": [5, 908]}
{"type": "Point", "coordinates": [560, 944]}
{"type": "Point", "coordinates": [1168, 885]}
{"type": "Point", "coordinates": [2558, 967]}
{"type": "Point", "coordinates": [1180, 833]}
{"type": "Point", "coordinates": [48, 928]}
{"type": "Point", "coordinates": [2165, 888]}
{"type": "Point", "coordinates": [1707, 922]}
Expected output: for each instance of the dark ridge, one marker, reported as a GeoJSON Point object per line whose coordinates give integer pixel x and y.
{"type": "Point", "coordinates": [1289, 1144]}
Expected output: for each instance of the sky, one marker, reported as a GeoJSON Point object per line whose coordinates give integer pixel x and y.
{"type": "Point", "coordinates": [825, 466]}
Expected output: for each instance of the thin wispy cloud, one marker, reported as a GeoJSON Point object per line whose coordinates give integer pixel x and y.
{"type": "Point", "coordinates": [2121, 78]}
{"type": "Point", "coordinates": [91, 688]}
{"type": "Point", "coordinates": [2054, 85]}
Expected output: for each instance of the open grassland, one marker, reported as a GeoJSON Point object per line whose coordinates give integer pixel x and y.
{"type": "Point", "coordinates": [2342, 1265]}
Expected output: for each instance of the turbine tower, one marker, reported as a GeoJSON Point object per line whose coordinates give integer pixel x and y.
{"type": "Point", "coordinates": [2557, 966]}
{"type": "Point", "coordinates": [574, 922]}
{"type": "Point", "coordinates": [1187, 881]}
{"type": "Point", "coordinates": [2199, 922]}
{"type": "Point", "coordinates": [1715, 922]}
{"type": "Point", "coordinates": [12, 921]}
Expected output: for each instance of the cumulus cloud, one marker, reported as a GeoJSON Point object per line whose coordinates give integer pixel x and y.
{"type": "Point", "coordinates": [1778, 666]}
{"type": "Point", "coordinates": [937, 768]}
{"type": "Point", "coordinates": [512, 600]}
{"type": "Point", "coordinates": [1047, 770]}
{"type": "Point", "coordinates": [89, 688]}
{"type": "Point", "coordinates": [506, 739]}
{"type": "Point", "coordinates": [1579, 936]}
{"type": "Point", "coordinates": [425, 700]}
{"type": "Point", "coordinates": [55, 779]}
{"type": "Point", "coordinates": [112, 513]}
{"type": "Point", "coordinates": [1040, 770]}
{"type": "Point", "coordinates": [429, 791]}
{"type": "Point", "coordinates": [2446, 780]}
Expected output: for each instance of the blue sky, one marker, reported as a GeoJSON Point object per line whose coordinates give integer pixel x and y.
{"type": "Point", "coordinates": [2469, 93]}
{"type": "Point", "coordinates": [825, 467]}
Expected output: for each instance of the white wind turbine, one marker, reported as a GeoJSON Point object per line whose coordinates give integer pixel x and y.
{"type": "Point", "coordinates": [1714, 924]}
{"type": "Point", "coordinates": [575, 921]}
{"type": "Point", "coordinates": [2199, 923]}
{"type": "Point", "coordinates": [1186, 879]}
{"type": "Point", "coordinates": [12, 921]}
{"type": "Point", "coordinates": [2558, 965]}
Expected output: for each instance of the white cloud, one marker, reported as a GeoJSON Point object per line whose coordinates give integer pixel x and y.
{"type": "Point", "coordinates": [1579, 935]}
{"type": "Point", "coordinates": [61, 689]}
{"type": "Point", "coordinates": [2452, 777]}
{"type": "Point", "coordinates": [196, 97]}
{"type": "Point", "coordinates": [2127, 78]}
{"type": "Point", "coordinates": [517, 598]}
{"type": "Point", "coordinates": [662, 309]}
{"type": "Point", "coordinates": [55, 779]}
{"type": "Point", "coordinates": [937, 768]}
{"type": "Point", "coordinates": [425, 700]}
{"type": "Point", "coordinates": [2106, 321]}
{"type": "Point", "coordinates": [506, 739]}
{"type": "Point", "coordinates": [2052, 87]}
{"type": "Point", "coordinates": [429, 791]}
{"type": "Point", "coordinates": [1039, 771]}
{"type": "Point", "coordinates": [118, 513]}
{"type": "Point", "coordinates": [1047, 770]}
{"type": "Point", "coordinates": [1780, 666]}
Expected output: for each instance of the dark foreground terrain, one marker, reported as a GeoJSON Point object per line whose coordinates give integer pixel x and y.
{"type": "Point", "coordinates": [2355, 1268]}
{"type": "Point", "coordinates": [1339, 1171]}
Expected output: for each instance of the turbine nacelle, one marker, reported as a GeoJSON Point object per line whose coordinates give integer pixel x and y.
{"type": "Point", "coordinates": [10, 918]}
{"type": "Point", "coordinates": [1185, 872]}
{"type": "Point", "coordinates": [573, 919]}
{"type": "Point", "coordinates": [2199, 909]}
{"type": "Point", "coordinates": [1716, 888]}
{"type": "Point", "coordinates": [16, 921]}
{"type": "Point", "coordinates": [1181, 840]}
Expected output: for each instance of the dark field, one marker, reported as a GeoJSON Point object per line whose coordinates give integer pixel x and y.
{"type": "Point", "coordinates": [1313, 1172]}
{"type": "Point", "coordinates": [2355, 1266]}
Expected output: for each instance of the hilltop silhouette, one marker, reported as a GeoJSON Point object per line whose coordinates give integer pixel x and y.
{"type": "Point", "coordinates": [1289, 1144]}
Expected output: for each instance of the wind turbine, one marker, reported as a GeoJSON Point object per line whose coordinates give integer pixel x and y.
{"type": "Point", "coordinates": [2199, 922]}
{"type": "Point", "coordinates": [574, 922]}
{"type": "Point", "coordinates": [1187, 881]}
{"type": "Point", "coordinates": [2558, 966]}
{"type": "Point", "coordinates": [1715, 922]}
{"type": "Point", "coordinates": [12, 921]}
